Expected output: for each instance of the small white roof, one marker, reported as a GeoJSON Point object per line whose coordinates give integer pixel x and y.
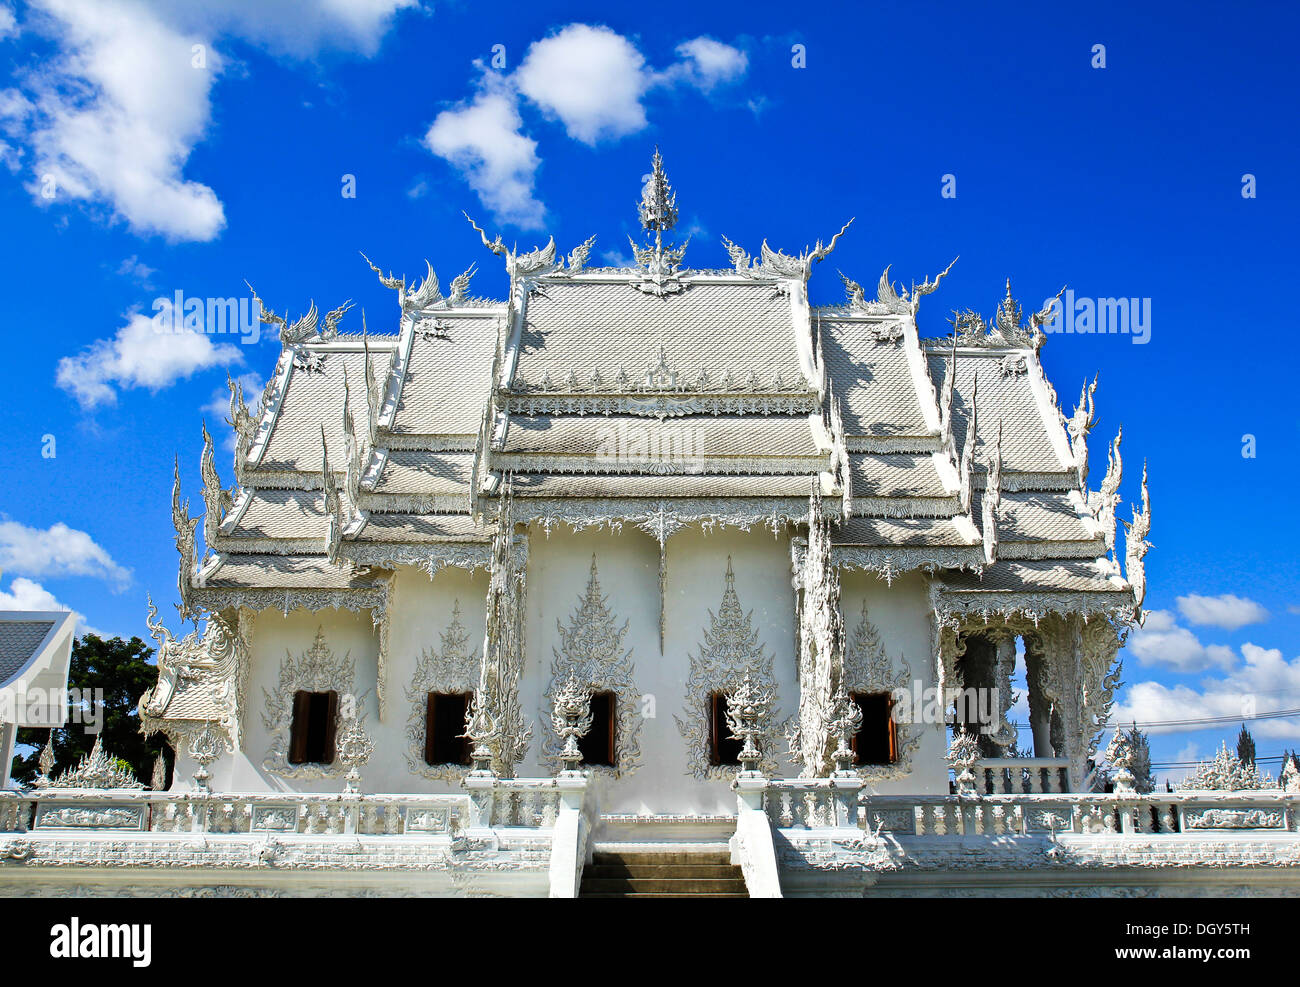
{"type": "Point", "coordinates": [35, 651]}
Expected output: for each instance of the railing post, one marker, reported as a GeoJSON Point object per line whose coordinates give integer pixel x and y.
{"type": "Point", "coordinates": [568, 839]}
{"type": "Point", "coordinates": [752, 847]}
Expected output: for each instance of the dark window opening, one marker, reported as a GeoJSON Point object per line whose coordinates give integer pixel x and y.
{"type": "Point", "coordinates": [724, 750]}
{"type": "Point", "coordinates": [598, 745]}
{"type": "Point", "coordinates": [443, 725]}
{"type": "Point", "coordinates": [311, 738]}
{"type": "Point", "coordinates": [876, 742]}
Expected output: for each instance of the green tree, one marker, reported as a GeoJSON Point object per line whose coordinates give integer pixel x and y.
{"type": "Point", "coordinates": [1245, 746]}
{"type": "Point", "coordinates": [121, 672]}
{"type": "Point", "coordinates": [1141, 764]}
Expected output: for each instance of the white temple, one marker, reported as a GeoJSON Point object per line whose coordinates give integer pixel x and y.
{"type": "Point", "coordinates": [536, 568]}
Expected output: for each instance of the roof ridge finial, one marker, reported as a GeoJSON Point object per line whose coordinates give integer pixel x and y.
{"type": "Point", "coordinates": [658, 206]}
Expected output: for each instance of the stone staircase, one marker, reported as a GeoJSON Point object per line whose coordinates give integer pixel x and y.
{"type": "Point", "coordinates": [675, 872]}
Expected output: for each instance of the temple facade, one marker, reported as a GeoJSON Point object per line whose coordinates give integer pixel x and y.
{"type": "Point", "coordinates": [657, 556]}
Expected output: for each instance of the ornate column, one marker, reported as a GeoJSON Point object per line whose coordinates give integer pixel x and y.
{"type": "Point", "coordinates": [821, 645]}
{"type": "Point", "coordinates": [1040, 705]}
{"type": "Point", "coordinates": [497, 697]}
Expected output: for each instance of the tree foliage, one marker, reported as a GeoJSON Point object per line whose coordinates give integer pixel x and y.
{"type": "Point", "coordinates": [120, 671]}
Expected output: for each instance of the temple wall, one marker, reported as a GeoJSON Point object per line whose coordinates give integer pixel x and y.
{"type": "Point", "coordinates": [901, 613]}
{"type": "Point", "coordinates": [661, 780]}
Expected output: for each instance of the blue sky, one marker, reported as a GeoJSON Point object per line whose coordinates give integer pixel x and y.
{"type": "Point", "coordinates": [151, 147]}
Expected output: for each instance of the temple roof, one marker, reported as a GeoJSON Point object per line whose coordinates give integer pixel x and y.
{"type": "Point", "coordinates": [716, 397]}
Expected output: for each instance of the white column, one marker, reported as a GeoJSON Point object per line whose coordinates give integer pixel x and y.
{"type": "Point", "coordinates": [8, 733]}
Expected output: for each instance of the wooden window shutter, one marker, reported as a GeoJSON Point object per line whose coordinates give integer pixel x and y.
{"type": "Point", "coordinates": [298, 728]}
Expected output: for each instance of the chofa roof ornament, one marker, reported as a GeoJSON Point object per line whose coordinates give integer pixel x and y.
{"type": "Point", "coordinates": [1008, 328]}
{"type": "Point", "coordinates": [657, 211]}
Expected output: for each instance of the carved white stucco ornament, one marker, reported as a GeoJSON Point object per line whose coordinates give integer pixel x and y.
{"type": "Point", "coordinates": [1008, 328]}
{"type": "Point", "coordinates": [729, 651]}
{"type": "Point", "coordinates": [353, 747]}
{"type": "Point", "coordinates": [1136, 547]}
{"type": "Point", "coordinates": [591, 650]}
{"type": "Point", "coordinates": [315, 670]}
{"type": "Point", "coordinates": [97, 770]}
{"type": "Point", "coordinates": [571, 719]}
{"type": "Point", "coordinates": [657, 211]}
{"type": "Point", "coordinates": [895, 300]}
{"type": "Point", "coordinates": [185, 527]}
{"type": "Point", "coordinates": [963, 752]}
{"type": "Point", "coordinates": [455, 668]}
{"type": "Point", "coordinates": [821, 645]}
{"type": "Point", "coordinates": [748, 707]}
{"type": "Point", "coordinates": [845, 722]}
{"type": "Point", "coordinates": [1119, 754]}
{"type": "Point", "coordinates": [1078, 426]}
{"type": "Point", "coordinates": [497, 705]}
{"type": "Point", "coordinates": [1225, 773]}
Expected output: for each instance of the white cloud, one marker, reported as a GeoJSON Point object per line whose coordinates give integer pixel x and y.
{"type": "Point", "coordinates": [23, 594]}
{"type": "Point", "coordinates": [483, 140]}
{"type": "Point", "coordinates": [113, 117]}
{"type": "Point", "coordinates": [139, 356]}
{"type": "Point", "coordinates": [1160, 641]}
{"type": "Point", "coordinates": [1226, 611]}
{"type": "Point", "coordinates": [56, 551]}
{"type": "Point", "coordinates": [707, 63]}
{"type": "Point", "coordinates": [8, 23]}
{"type": "Point", "coordinates": [591, 78]}
{"type": "Point", "coordinates": [1263, 681]}
{"type": "Point", "coordinates": [137, 270]}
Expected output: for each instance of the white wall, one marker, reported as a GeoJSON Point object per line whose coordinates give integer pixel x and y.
{"type": "Point", "coordinates": [558, 568]}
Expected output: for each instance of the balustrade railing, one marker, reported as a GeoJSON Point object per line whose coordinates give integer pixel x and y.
{"type": "Point", "coordinates": [1021, 775]}
{"type": "Point", "coordinates": [224, 813]}
{"type": "Point", "coordinates": [816, 804]}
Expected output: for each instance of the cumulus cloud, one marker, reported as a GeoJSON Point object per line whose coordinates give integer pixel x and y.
{"type": "Point", "coordinates": [24, 594]}
{"type": "Point", "coordinates": [56, 551]}
{"type": "Point", "coordinates": [707, 63]}
{"type": "Point", "coordinates": [1226, 611]}
{"type": "Point", "coordinates": [8, 23]}
{"type": "Point", "coordinates": [482, 139]}
{"type": "Point", "coordinates": [112, 118]}
{"type": "Point", "coordinates": [1259, 684]}
{"type": "Point", "coordinates": [139, 356]}
{"type": "Point", "coordinates": [589, 78]}
{"type": "Point", "coordinates": [1161, 641]}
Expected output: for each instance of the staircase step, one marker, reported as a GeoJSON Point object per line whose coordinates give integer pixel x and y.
{"type": "Point", "coordinates": [652, 894]}
{"type": "Point", "coordinates": [622, 870]}
{"type": "Point", "coordinates": [689, 885]}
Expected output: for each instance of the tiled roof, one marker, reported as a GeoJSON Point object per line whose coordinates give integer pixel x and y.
{"type": "Point", "coordinates": [637, 485]}
{"type": "Point", "coordinates": [392, 528]}
{"type": "Point", "coordinates": [285, 572]}
{"type": "Point", "coordinates": [617, 438]}
{"type": "Point", "coordinates": [1036, 517]}
{"type": "Point", "coordinates": [315, 398]}
{"type": "Point", "coordinates": [283, 514]}
{"type": "Point", "coordinates": [448, 380]}
{"type": "Point", "coordinates": [896, 475]}
{"type": "Point", "coordinates": [415, 471]}
{"type": "Point", "coordinates": [1005, 398]}
{"type": "Point", "coordinates": [873, 380]}
{"type": "Point", "coordinates": [19, 641]}
{"type": "Point", "coordinates": [1014, 575]}
{"type": "Point", "coordinates": [718, 328]}
{"type": "Point", "coordinates": [879, 532]}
